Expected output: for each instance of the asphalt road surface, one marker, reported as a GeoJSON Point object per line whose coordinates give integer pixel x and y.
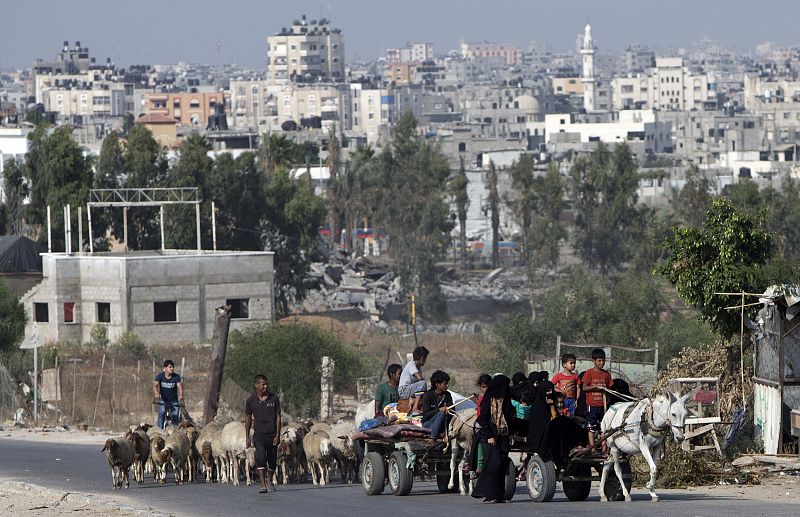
{"type": "Point", "coordinates": [83, 468]}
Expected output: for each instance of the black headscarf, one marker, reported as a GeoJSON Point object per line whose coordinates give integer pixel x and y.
{"type": "Point", "coordinates": [539, 417]}
{"type": "Point", "coordinates": [498, 389]}
{"type": "Point", "coordinates": [519, 384]}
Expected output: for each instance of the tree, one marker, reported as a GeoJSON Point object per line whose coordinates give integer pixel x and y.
{"type": "Point", "coordinates": [725, 255]}
{"type": "Point", "coordinates": [784, 217]}
{"type": "Point", "coordinates": [16, 189]}
{"type": "Point", "coordinates": [694, 199]}
{"type": "Point", "coordinates": [604, 194]}
{"type": "Point", "coordinates": [12, 319]}
{"type": "Point", "coordinates": [493, 206]}
{"type": "Point", "coordinates": [145, 165]}
{"type": "Point", "coordinates": [193, 169]}
{"type": "Point", "coordinates": [292, 217]}
{"type": "Point", "coordinates": [333, 205]}
{"type": "Point", "coordinates": [410, 201]}
{"type": "Point", "coordinates": [275, 151]}
{"type": "Point", "coordinates": [535, 203]}
{"type": "Point", "coordinates": [458, 192]}
{"type": "Point", "coordinates": [744, 196]}
{"type": "Point", "coordinates": [355, 189]}
{"type": "Point", "coordinates": [237, 189]}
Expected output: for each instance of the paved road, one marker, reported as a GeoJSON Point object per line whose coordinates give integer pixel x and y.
{"type": "Point", "coordinates": [82, 468]}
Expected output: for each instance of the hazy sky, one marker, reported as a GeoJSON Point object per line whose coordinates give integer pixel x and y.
{"type": "Point", "coordinates": [235, 31]}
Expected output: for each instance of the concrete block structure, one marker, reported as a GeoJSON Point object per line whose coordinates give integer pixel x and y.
{"type": "Point", "coordinates": [163, 296]}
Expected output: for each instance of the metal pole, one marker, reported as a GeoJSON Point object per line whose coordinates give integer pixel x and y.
{"type": "Point", "coordinates": [113, 391]}
{"type": "Point", "coordinates": [74, 387]}
{"type": "Point", "coordinates": [80, 229]}
{"type": "Point", "coordinates": [138, 384]}
{"type": "Point", "coordinates": [49, 234]}
{"type": "Point", "coordinates": [66, 235]}
{"type": "Point", "coordinates": [183, 365]}
{"type": "Point", "coordinates": [161, 221]}
{"type": "Point", "coordinates": [214, 225]}
{"type": "Point", "coordinates": [741, 352]}
{"type": "Point", "coordinates": [99, 384]}
{"type": "Point", "coordinates": [197, 219]}
{"type": "Point", "coordinates": [89, 217]}
{"type": "Point", "coordinates": [125, 226]}
{"type": "Point", "coordinates": [35, 385]}
{"type": "Point", "coordinates": [69, 229]}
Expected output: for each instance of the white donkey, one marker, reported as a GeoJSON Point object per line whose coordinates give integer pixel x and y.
{"type": "Point", "coordinates": [462, 429]}
{"type": "Point", "coordinates": [640, 428]}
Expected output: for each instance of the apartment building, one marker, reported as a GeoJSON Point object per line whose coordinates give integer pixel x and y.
{"type": "Point", "coordinates": [669, 86]}
{"type": "Point", "coordinates": [509, 54]}
{"type": "Point", "coordinates": [188, 108]}
{"type": "Point", "coordinates": [70, 98]}
{"type": "Point", "coordinates": [308, 51]}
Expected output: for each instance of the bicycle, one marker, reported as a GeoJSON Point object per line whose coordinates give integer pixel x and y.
{"type": "Point", "coordinates": [169, 407]}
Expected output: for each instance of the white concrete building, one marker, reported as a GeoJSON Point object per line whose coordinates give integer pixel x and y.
{"type": "Point", "coordinates": [627, 125]}
{"type": "Point", "coordinates": [669, 86]}
{"type": "Point", "coordinates": [308, 51]}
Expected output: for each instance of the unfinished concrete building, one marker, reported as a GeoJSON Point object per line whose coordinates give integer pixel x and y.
{"type": "Point", "coordinates": [164, 296]}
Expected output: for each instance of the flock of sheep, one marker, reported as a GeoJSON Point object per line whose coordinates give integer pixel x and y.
{"type": "Point", "coordinates": [219, 451]}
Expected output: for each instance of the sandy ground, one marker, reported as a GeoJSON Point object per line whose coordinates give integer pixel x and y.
{"type": "Point", "coordinates": [25, 499]}
{"type": "Point", "coordinates": [55, 435]}
{"type": "Point", "coordinates": [779, 488]}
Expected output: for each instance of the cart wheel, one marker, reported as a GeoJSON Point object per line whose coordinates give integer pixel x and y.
{"type": "Point", "coordinates": [373, 473]}
{"type": "Point", "coordinates": [442, 480]}
{"type": "Point", "coordinates": [612, 489]}
{"type": "Point", "coordinates": [510, 481]}
{"type": "Point", "coordinates": [578, 490]}
{"type": "Point", "coordinates": [541, 479]}
{"type": "Point", "coordinates": [400, 477]}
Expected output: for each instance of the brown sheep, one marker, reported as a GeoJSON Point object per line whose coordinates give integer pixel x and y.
{"type": "Point", "coordinates": [141, 443]}
{"type": "Point", "coordinates": [120, 454]}
{"type": "Point", "coordinates": [176, 452]}
{"type": "Point", "coordinates": [157, 444]}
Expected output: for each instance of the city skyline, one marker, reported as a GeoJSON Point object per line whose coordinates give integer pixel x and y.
{"type": "Point", "coordinates": [158, 32]}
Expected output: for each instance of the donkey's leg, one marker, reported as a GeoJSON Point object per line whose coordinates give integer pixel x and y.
{"type": "Point", "coordinates": [454, 465]}
{"type": "Point", "coordinates": [648, 455]}
{"type": "Point", "coordinates": [618, 470]}
{"type": "Point", "coordinates": [606, 467]}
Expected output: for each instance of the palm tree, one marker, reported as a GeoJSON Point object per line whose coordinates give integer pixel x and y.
{"type": "Point", "coordinates": [275, 151]}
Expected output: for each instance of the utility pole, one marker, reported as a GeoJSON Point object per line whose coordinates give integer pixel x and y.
{"type": "Point", "coordinates": [222, 323]}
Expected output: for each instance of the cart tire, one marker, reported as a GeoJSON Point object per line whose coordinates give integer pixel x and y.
{"type": "Point", "coordinates": [442, 480]}
{"type": "Point", "coordinates": [510, 481]}
{"type": "Point", "coordinates": [401, 479]}
{"type": "Point", "coordinates": [373, 473]}
{"type": "Point", "coordinates": [578, 490]}
{"type": "Point", "coordinates": [612, 489]}
{"type": "Point", "coordinates": [541, 479]}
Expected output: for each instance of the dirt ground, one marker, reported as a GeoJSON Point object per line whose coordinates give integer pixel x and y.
{"type": "Point", "coordinates": [24, 499]}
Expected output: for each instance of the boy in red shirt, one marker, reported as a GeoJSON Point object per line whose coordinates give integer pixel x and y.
{"type": "Point", "coordinates": [594, 383]}
{"type": "Point", "coordinates": [566, 382]}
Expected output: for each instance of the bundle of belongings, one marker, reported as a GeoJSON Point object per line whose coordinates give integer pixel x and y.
{"type": "Point", "coordinates": [393, 431]}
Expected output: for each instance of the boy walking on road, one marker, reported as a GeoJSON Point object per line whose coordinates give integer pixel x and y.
{"type": "Point", "coordinates": [263, 413]}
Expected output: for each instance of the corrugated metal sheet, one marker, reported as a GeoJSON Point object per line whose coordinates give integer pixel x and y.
{"type": "Point", "coordinates": [767, 416]}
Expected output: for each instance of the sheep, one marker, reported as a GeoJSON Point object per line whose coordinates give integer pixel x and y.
{"type": "Point", "coordinates": [155, 447]}
{"type": "Point", "coordinates": [141, 443]}
{"type": "Point", "coordinates": [157, 443]}
{"type": "Point", "coordinates": [202, 447]}
{"type": "Point", "coordinates": [220, 457]}
{"type": "Point", "coordinates": [317, 446]}
{"type": "Point", "coordinates": [345, 450]}
{"type": "Point", "coordinates": [176, 451]}
{"type": "Point", "coordinates": [120, 454]}
{"type": "Point", "coordinates": [234, 445]}
{"type": "Point", "coordinates": [193, 456]}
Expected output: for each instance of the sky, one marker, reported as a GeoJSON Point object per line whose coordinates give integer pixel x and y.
{"type": "Point", "coordinates": [235, 31]}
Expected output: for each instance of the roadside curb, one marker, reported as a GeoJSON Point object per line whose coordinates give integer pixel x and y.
{"type": "Point", "coordinates": [57, 496]}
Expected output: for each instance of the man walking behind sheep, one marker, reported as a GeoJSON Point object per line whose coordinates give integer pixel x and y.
{"type": "Point", "coordinates": [263, 412]}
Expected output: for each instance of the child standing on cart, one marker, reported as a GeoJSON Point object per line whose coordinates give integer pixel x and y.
{"type": "Point", "coordinates": [594, 383]}
{"type": "Point", "coordinates": [566, 382]}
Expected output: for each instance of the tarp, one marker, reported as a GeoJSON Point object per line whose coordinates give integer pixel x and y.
{"type": "Point", "coordinates": [20, 255]}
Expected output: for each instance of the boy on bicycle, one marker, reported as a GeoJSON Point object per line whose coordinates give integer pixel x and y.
{"type": "Point", "coordinates": [168, 392]}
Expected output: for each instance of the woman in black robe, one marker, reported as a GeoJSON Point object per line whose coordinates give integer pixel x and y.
{"type": "Point", "coordinates": [538, 417]}
{"type": "Point", "coordinates": [496, 413]}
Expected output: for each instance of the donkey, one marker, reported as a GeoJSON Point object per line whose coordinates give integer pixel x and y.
{"type": "Point", "coordinates": [461, 432]}
{"type": "Point", "coordinates": [640, 428]}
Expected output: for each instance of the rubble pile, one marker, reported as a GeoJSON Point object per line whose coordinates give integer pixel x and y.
{"type": "Point", "coordinates": [369, 285]}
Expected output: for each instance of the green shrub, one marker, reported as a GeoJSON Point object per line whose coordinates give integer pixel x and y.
{"type": "Point", "coordinates": [129, 345]}
{"type": "Point", "coordinates": [291, 357]}
{"type": "Point", "coordinates": [99, 336]}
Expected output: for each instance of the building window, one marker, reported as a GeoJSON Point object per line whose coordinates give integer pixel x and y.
{"type": "Point", "coordinates": [240, 308]}
{"type": "Point", "coordinates": [165, 311]}
{"type": "Point", "coordinates": [41, 313]}
{"type": "Point", "coordinates": [69, 312]}
{"type": "Point", "coordinates": [103, 312]}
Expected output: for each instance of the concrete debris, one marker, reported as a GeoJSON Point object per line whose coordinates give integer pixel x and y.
{"type": "Point", "coordinates": [370, 286]}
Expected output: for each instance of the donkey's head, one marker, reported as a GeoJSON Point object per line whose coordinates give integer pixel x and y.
{"type": "Point", "coordinates": [677, 413]}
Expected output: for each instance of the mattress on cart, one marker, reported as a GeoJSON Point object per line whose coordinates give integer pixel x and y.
{"type": "Point", "coordinates": [395, 431]}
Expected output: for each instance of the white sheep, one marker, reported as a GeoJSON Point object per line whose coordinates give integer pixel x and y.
{"type": "Point", "coordinates": [176, 452]}
{"type": "Point", "coordinates": [202, 447]}
{"type": "Point", "coordinates": [345, 450]}
{"type": "Point", "coordinates": [157, 442]}
{"type": "Point", "coordinates": [120, 454]}
{"type": "Point", "coordinates": [317, 446]}
{"type": "Point", "coordinates": [234, 445]}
